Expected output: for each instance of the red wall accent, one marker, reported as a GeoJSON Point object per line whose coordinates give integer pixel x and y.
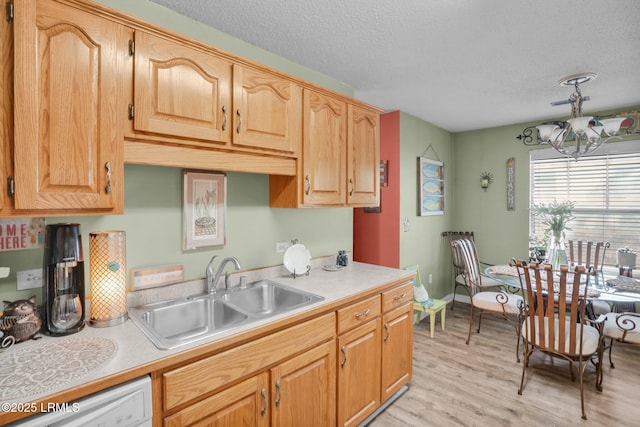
{"type": "Point", "coordinates": [376, 236]}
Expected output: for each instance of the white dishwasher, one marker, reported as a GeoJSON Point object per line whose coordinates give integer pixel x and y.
{"type": "Point", "coordinates": [125, 405]}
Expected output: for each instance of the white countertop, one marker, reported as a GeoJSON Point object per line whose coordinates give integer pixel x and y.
{"type": "Point", "coordinates": [134, 350]}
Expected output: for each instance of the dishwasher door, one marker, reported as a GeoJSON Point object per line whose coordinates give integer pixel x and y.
{"type": "Point", "coordinates": [125, 405]}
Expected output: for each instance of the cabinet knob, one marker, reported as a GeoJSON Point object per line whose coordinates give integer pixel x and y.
{"type": "Point", "coordinates": [224, 118]}
{"type": "Point", "coordinates": [264, 401]}
{"type": "Point", "coordinates": [278, 393]}
{"type": "Point", "coordinates": [107, 188]}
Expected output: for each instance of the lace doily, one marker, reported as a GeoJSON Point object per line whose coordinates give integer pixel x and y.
{"type": "Point", "coordinates": [35, 369]}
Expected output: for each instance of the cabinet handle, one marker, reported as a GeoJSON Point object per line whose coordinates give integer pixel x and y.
{"type": "Point", "coordinates": [264, 401]}
{"type": "Point", "coordinates": [364, 313]}
{"type": "Point", "coordinates": [308, 182]}
{"type": "Point", "coordinates": [399, 297]}
{"type": "Point", "coordinates": [351, 185]}
{"type": "Point", "coordinates": [224, 120]}
{"type": "Point", "coordinates": [239, 121]}
{"type": "Point", "coordinates": [344, 354]}
{"type": "Point", "coordinates": [107, 188]}
{"type": "Point", "coordinates": [278, 394]}
{"type": "Point", "coordinates": [386, 330]}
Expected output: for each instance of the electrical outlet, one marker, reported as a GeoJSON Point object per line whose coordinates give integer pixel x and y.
{"type": "Point", "coordinates": [281, 247]}
{"type": "Point", "coordinates": [406, 224]}
{"type": "Point", "coordinates": [29, 279]}
{"type": "Point", "coordinates": [430, 278]}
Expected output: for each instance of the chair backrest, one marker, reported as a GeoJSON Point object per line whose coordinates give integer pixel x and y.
{"type": "Point", "coordinates": [553, 300]}
{"type": "Point", "coordinates": [587, 253]}
{"type": "Point", "coordinates": [465, 251]}
{"type": "Point", "coordinates": [452, 236]}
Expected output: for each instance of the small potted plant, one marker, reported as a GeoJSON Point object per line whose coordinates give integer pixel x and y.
{"type": "Point", "coordinates": [626, 257]}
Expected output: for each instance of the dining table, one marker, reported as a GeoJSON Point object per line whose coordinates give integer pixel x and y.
{"type": "Point", "coordinates": [621, 293]}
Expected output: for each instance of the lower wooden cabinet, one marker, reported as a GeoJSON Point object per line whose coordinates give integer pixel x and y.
{"type": "Point", "coordinates": [298, 392]}
{"type": "Point", "coordinates": [397, 349]}
{"type": "Point", "coordinates": [359, 373]}
{"type": "Point", "coordinates": [303, 389]}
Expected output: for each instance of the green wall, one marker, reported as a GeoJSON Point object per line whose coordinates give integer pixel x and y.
{"type": "Point", "coordinates": [423, 244]}
{"type": "Point", "coordinates": [153, 223]}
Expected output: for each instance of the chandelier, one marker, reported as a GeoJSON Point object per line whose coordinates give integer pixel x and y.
{"type": "Point", "coordinates": [580, 134]}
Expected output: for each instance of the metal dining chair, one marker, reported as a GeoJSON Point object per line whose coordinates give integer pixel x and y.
{"type": "Point", "coordinates": [622, 328]}
{"type": "Point", "coordinates": [483, 300]}
{"type": "Point", "coordinates": [554, 321]}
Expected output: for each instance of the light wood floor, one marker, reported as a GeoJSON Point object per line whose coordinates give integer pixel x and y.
{"type": "Point", "coordinates": [477, 384]}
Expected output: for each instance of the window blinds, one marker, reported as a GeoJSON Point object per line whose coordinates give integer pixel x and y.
{"type": "Point", "coordinates": [605, 190]}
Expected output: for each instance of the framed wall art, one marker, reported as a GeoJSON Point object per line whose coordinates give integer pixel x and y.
{"type": "Point", "coordinates": [430, 187]}
{"type": "Point", "coordinates": [204, 208]}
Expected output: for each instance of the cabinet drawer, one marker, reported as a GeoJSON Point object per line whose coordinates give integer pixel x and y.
{"type": "Point", "coordinates": [189, 382]}
{"type": "Point", "coordinates": [358, 313]}
{"type": "Point", "coordinates": [397, 296]}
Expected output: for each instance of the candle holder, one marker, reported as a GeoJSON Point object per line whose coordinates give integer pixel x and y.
{"type": "Point", "coordinates": [108, 278]}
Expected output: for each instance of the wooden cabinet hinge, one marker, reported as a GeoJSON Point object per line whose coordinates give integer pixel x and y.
{"type": "Point", "coordinates": [132, 111]}
{"type": "Point", "coordinates": [11, 186]}
{"type": "Point", "coordinates": [9, 11]}
{"type": "Point", "coordinates": [132, 47]}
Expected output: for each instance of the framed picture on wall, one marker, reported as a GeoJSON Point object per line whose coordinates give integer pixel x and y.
{"type": "Point", "coordinates": [204, 208]}
{"type": "Point", "coordinates": [430, 187]}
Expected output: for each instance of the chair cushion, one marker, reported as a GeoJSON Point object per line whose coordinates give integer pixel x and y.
{"type": "Point", "coordinates": [615, 330]}
{"type": "Point", "coordinates": [492, 301]}
{"type": "Point", "coordinates": [590, 337]}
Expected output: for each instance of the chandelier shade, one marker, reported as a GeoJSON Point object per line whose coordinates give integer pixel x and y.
{"type": "Point", "coordinates": [578, 135]}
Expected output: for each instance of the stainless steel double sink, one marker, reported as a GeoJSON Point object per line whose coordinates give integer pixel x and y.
{"type": "Point", "coordinates": [170, 324]}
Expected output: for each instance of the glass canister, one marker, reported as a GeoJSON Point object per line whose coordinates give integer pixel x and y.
{"type": "Point", "coordinates": [342, 259]}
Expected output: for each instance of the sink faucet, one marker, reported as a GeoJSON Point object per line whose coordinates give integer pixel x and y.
{"type": "Point", "coordinates": [212, 278]}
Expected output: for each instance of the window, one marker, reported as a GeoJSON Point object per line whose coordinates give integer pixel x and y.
{"type": "Point", "coordinates": [605, 190]}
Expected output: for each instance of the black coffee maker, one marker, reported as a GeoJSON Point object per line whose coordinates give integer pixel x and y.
{"type": "Point", "coordinates": [63, 287]}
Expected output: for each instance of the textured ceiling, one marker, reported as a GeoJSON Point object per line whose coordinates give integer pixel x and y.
{"type": "Point", "coordinates": [459, 64]}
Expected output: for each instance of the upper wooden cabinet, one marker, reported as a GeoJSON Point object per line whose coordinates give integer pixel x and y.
{"type": "Point", "coordinates": [268, 111]}
{"type": "Point", "coordinates": [181, 91]}
{"type": "Point", "coordinates": [324, 149]}
{"type": "Point", "coordinates": [69, 114]}
{"type": "Point", "coordinates": [340, 157]}
{"type": "Point", "coordinates": [363, 157]}
{"type": "Point", "coordinates": [200, 97]}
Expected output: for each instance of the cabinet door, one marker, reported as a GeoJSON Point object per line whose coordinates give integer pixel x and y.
{"type": "Point", "coordinates": [245, 404]}
{"type": "Point", "coordinates": [181, 91]}
{"type": "Point", "coordinates": [358, 373]}
{"type": "Point", "coordinates": [303, 389]}
{"type": "Point", "coordinates": [69, 71]}
{"type": "Point", "coordinates": [268, 111]}
{"type": "Point", "coordinates": [397, 349]}
{"type": "Point", "coordinates": [363, 158]}
{"type": "Point", "coordinates": [324, 150]}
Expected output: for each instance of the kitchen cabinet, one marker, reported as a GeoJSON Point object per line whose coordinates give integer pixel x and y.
{"type": "Point", "coordinates": [363, 157]}
{"type": "Point", "coordinates": [290, 380]}
{"type": "Point", "coordinates": [340, 156]}
{"type": "Point", "coordinates": [69, 67]}
{"type": "Point", "coordinates": [181, 91]}
{"type": "Point", "coordinates": [202, 98]}
{"type": "Point", "coordinates": [359, 361]}
{"type": "Point", "coordinates": [397, 339]}
{"type": "Point", "coordinates": [375, 352]}
{"type": "Point", "coordinates": [268, 111]}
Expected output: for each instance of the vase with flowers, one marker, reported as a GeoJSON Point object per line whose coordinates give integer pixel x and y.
{"type": "Point", "coordinates": [555, 216]}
